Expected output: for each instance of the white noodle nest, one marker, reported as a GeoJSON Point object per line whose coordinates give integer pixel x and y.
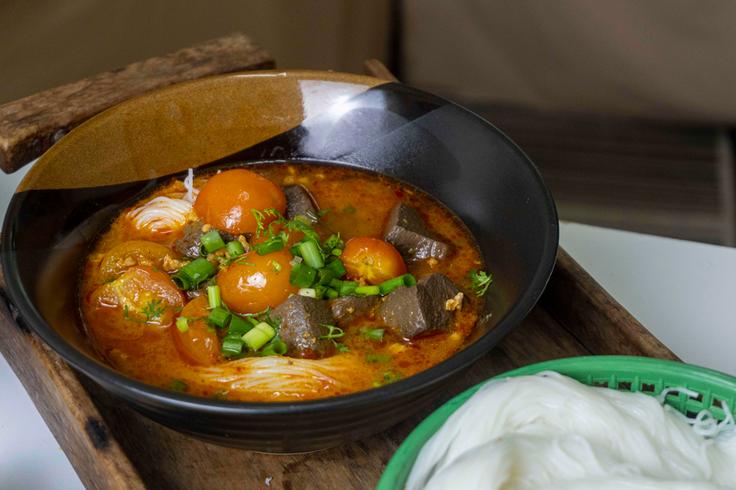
{"type": "Point", "coordinates": [165, 214]}
{"type": "Point", "coordinates": [550, 432]}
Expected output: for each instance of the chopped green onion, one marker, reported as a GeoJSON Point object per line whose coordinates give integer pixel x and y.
{"type": "Point", "coordinates": [372, 333]}
{"type": "Point", "coordinates": [259, 335]}
{"type": "Point", "coordinates": [294, 250]}
{"type": "Point", "coordinates": [331, 293]}
{"type": "Point", "coordinates": [388, 377]}
{"type": "Point", "coordinates": [194, 273]}
{"type": "Point", "coordinates": [302, 275]}
{"type": "Point", "coordinates": [367, 290]}
{"type": "Point", "coordinates": [213, 296]}
{"type": "Point", "coordinates": [333, 242]}
{"type": "Point", "coordinates": [219, 317]}
{"type": "Point", "coordinates": [377, 358]}
{"type": "Point", "coordinates": [347, 288]}
{"type": "Point", "coordinates": [308, 292]}
{"type": "Point", "coordinates": [336, 267]}
{"type": "Point", "coordinates": [276, 266]}
{"type": "Point", "coordinates": [273, 244]}
{"type": "Point", "coordinates": [396, 282]}
{"type": "Point", "coordinates": [182, 324]}
{"type": "Point", "coordinates": [212, 241]}
{"type": "Point", "coordinates": [238, 326]}
{"type": "Point", "coordinates": [235, 248]}
{"type": "Point", "coordinates": [325, 276]}
{"type": "Point", "coordinates": [311, 254]}
{"type": "Point", "coordinates": [232, 346]}
{"type": "Point", "coordinates": [320, 290]}
{"type": "Point", "coordinates": [336, 252]}
{"type": "Point", "coordinates": [276, 347]}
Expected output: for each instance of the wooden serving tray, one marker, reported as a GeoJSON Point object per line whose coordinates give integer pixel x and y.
{"type": "Point", "coordinates": [111, 446]}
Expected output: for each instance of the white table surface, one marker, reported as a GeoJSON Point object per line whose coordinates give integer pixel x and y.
{"type": "Point", "coordinates": [684, 292]}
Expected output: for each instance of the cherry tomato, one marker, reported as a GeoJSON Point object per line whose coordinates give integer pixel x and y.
{"type": "Point", "coordinates": [256, 282]}
{"type": "Point", "coordinates": [199, 343]}
{"type": "Point", "coordinates": [372, 260]}
{"type": "Point", "coordinates": [226, 200]}
{"type": "Point", "coordinates": [128, 254]}
{"type": "Point", "coordinates": [139, 299]}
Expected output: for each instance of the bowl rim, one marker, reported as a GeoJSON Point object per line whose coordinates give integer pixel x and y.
{"type": "Point", "coordinates": [418, 382]}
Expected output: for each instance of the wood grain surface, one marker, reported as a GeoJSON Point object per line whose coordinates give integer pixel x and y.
{"type": "Point", "coordinates": [29, 126]}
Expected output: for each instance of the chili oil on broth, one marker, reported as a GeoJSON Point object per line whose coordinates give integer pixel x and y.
{"type": "Point", "coordinates": [358, 204]}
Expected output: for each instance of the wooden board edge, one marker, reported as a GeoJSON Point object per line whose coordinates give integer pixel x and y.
{"type": "Point", "coordinates": [66, 408]}
{"type": "Point", "coordinates": [595, 318]}
{"type": "Point", "coordinates": [29, 126]}
{"type": "Point", "coordinates": [377, 69]}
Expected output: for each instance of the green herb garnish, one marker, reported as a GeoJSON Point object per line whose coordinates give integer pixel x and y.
{"type": "Point", "coordinates": [154, 309]}
{"type": "Point", "coordinates": [341, 347]}
{"type": "Point", "coordinates": [333, 332]}
{"type": "Point", "coordinates": [479, 281]}
{"type": "Point", "coordinates": [178, 385]}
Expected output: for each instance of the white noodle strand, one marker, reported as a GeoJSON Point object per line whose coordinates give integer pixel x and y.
{"type": "Point", "coordinates": [551, 432]}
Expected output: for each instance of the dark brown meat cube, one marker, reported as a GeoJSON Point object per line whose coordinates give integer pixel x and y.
{"type": "Point", "coordinates": [299, 202]}
{"type": "Point", "coordinates": [188, 245]}
{"type": "Point", "coordinates": [408, 233]}
{"type": "Point", "coordinates": [303, 321]}
{"type": "Point", "coordinates": [410, 311]}
{"type": "Point", "coordinates": [348, 308]}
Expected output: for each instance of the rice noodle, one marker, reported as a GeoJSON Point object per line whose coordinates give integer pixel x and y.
{"type": "Point", "coordinates": [161, 214]}
{"type": "Point", "coordinates": [289, 377]}
{"type": "Point", "coordinates": [189, 184]}
{"type": "Point", "coordinates": [548, 431]}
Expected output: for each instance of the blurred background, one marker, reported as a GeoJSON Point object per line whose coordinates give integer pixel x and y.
{"type": "Point", "coordinates": [625, 106]}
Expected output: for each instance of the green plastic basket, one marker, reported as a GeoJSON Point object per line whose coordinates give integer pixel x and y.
{"type": "Point", "coordinates": [624, 373]}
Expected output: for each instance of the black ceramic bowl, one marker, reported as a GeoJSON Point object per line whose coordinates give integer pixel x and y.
{"type": "Point", "coordinates": [79, 185]}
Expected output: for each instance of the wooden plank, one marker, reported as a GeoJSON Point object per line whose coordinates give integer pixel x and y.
{"type": "Point", "coordinates": [29, 126]}
{"type": "Point", "coordinates": [65, 406]}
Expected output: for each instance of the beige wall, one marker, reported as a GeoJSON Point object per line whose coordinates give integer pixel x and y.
{"type": "Point", "coordinates": [44, 43]}
{"type": "Point", "coordinates": [650, 58]}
